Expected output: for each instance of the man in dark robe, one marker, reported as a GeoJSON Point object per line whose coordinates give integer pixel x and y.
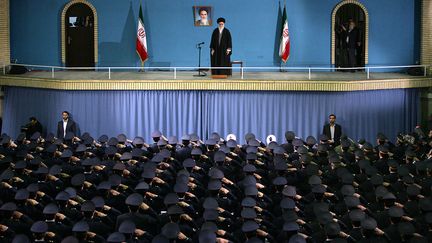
{"type": "Point", "coordinates": [220, 49]}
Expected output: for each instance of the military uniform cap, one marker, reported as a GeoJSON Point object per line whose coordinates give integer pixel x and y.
{"type": "Point", "coordinates": [39, 227]}
{"type": "Point", "coordinates": [78, 179]}
{"type": "Point", "coordinates": [289, 216]}
{"type": "Point", "coordinates": [171, 198]}
{"type": "Point", "coordinates": [194, 137]}
{"type": "Point", "coordinates": [170, 230]}
{"type": "Point", "coordinates": [9, 206]}
{"type": "Point", "coordinates": [254, 240]}
{"type": "Point", "coordinates": [127, 227]}
{"type": "Point", "coordinates": [110, 151]}
{"type": "Point", "coordinates": [70, 239]}
{"type": "Point", "coordinates": [210, 142]}
{"type": "Point", "coordinates": [112, 141]}
{"type": "Point", "coordinates": [395, 212]}
{"type": "Point", "coordinates": [428, 218]}
{"type": "Point", "coordinates": [69, 136]}
{"type": "Point", "coordinates": [324, 218]}
{"type": "Point", "coordinates": [142, 186]}
{"type": "Point", "coordinates": [21, 238]}
{"type": "Point", "coordinates": [189, 163]}
{"type": "Point", "coordinates": [160, 239]}
{"type": "Point", "coordinates": [380, 191]}
{"type": "Point", "coordinates": [121, 138]}
{"type": "Point", "coordinates": [272, 145]}
{"type": "Point", "coordinates": [156, 134]}
{"type": "Point", "coordinates": [367, 146]}
{"type": "Point", "coordinates": [345, 143]}
{"type": "Point", "coordinates": [357, 215]}
{"type": "Point", "coordinates": [249, 180]}
{"type": "Point", "coordinates": [206, 236]}
{"type": "Point", "coordinates": [413, 190]}
{"type": "Point", "coordinates": [406, 228]}
{"type": "Point", "coordinates": [297, 142]}
{"type": "Point", "coordinates": [251, 150]}
{"type": "Point", "coordinates": [322, 148]}
{"type": "Point", "coordinates": [369, 223]}
{"type": "Point", "coordinates": [303, 151]}
{"type": "Point", "coordinates": [323, 138]}
{"type": "Point", "coordinates": [318, 189]}
{"type": "Point", "coordinates": [290, 226]}
{"type": "Point", "coordinates": [215, 136]}
{"type": "Point", "coordinates": [33, 187]}
{"type": "Point", "coordinates": [251, 156]}
{"type": "Point", "coordinates": [134, 199]}
{"type": "Point", "coordinates": [35, 136]}
{"type": "Point", "coordinates": [36, 161]}
{"type": "Point", "coordinates": [280, 181]}
{"type": "Point", "coordinates": [88, 206]}
{"type": "Point", "coordinates": [306, 158]}
{"type": "Point", "coordinates": [5, 140]}
{"type": "Point", "coordinates": [403, 170]}
{"type": "Point", "coordinates": [321, 208]}
{"type": "Point", "coordinates": [126, 156]}
{"type": "Point", "coordinates": [81, 148]}
{"type": "Point", "coordinates": [116, 237]}
{"type": "Point", "coordinates": [310, 140]}
{"type": "Point", "coordinates": [50, 209]}
{"type": "Point", "coordinates": [389, 196]}
{"type": "Point", "coordinates": [87, 162]}
{"type": "Point", "coordinates": [98, 201]}
{"type": "Point", "coordinates": [180, 187]}
{"type": "Point", "coordinates": [71, 191]}
{"type": "Point", "coordinates": [370, 171]}
{"type": "Point", "coordinates": [185, 137]}
{"type": "Point", "coordinates": [332, 229]}
{"type": "Point", "coordinates": [22, 194]}
{"type": "Point", "coordinates": [51, 148]}
{"type": "Point", "coordinates": [347, 190]}
{"type": "Point", "coordinates": [21, 137]}
{"type": "Point", "coordinates": [248, 202]}
{"type": "Point", "coordinates": [20, 165]}
{"type": "Point", "coordinates": [425, 204]}
{"type": "Point", "coordinates": [249, 226]}
{"type": "Point", "coordinates": [66, 154]}
{"type": "Point", "coordinates": [149, 171]}
{"type": "Point", "coordinates": [377, 180]}
{"type": "Point", "coordinates": [196, 151]}
{"type": "Point", "coordinates": [138, 141]}
{"type": "Point", "coordinates": [253, 142]}
{"type": "Point", "coordinates": [231, 143]}
{"type": "Point", "coordinates": [210, 203]}
{"type": "Point", "coordinates": [248, 213]}
{"type": "Point", "coordinates": [297, 239]}
{"type": "Point", "coordinates": [162, 142]}
{"type": "Point", "coordinates": [280, 165]}
{"type": "Point", "coordinates": [289, 191]}
{"type": "Point", "coordinates": [289, 135]}
{"type": "Point", "coordinates": [104, 185]}
{"type": "Point", "coordinates": [58, 141]}
{"type": "Point", "coordinates": [50, 137]}
{"type": "Point", "coordinates": [214, 185]}
{"type": "Point", "coordinates": [157, 158]}
{"type": "Point", "coordinates": [103, 139]}
{"type": "Point", "coordinates": [211, 226]}
{"type": "Point", "coordinates": [81, 226]}
{"type": "Point", "coordinates": [6, 175]}
{"type": "Point", "coordinates": [215, 173]}
{"type": "Point", "coordinates": [115, 179]}
{"type": "Point", "coordinates": [137, 152]}
{"type": "Point", "coordinates": [249, 136]}
{"type": "Point", "coordinates": [383, 149]}
{"type": "Point", "coordinates": [314, 180]}
{"type": "Point", "coordinates": [210, 214]}
{"type": "Point", "coordinates": [251, 191]}
{"type": "Point", "coordinates": [351, 201]}
{"type": "Point", "coordinates": [172, 140]}
{"type": "Point", "coordinates": [287, 203]}
{"type": "Point", "coordinates": [249, 168]}
{"type": "Point", "coordinates": [279, 150]}
{"type": "Point", "coordinates": [119, 166]}
{"type": "Point", "coordinates": [41, 170]}
{"type": "Point", "coordinates": [408, 179]}
{"type": "Point", "coordinates": [392, 163]}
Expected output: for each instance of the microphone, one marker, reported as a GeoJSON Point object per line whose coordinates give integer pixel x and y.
{"type": "Point", "coordinates": [201, 43]}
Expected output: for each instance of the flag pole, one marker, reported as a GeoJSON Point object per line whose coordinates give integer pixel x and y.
{"type": "Point", "coordinates": [142, 63]}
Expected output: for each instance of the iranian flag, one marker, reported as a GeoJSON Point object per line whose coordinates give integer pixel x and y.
{"type": "Point", "coordinates": [284, 48]}
{"type": "Point", "coordinates": [141, 42]}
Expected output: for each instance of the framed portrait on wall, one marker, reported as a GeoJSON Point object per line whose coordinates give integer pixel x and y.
{"type": "Point", "coordinates": [202, 16]}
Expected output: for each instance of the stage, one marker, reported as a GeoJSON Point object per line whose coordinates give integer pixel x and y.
{"type": "Point", "coordinates": [185, 80]}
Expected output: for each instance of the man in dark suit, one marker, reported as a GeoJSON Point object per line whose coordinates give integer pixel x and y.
{"type": "Point", "coordinates": [66, 125]}
{"type": "Point", "coordinates": [352, 39]}
{"type": "Point", "coordinates": [333, 131]}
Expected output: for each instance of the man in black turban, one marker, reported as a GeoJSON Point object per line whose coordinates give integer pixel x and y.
{"type": "Point", "coordinates": [220, 48]}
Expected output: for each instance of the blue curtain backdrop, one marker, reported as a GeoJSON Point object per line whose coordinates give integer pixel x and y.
{"type": "Point", "coordinates": [362, 114]}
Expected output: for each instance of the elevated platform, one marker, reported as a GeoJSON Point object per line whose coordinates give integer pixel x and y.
{"type": "Point", "coordinates": [185, 80]}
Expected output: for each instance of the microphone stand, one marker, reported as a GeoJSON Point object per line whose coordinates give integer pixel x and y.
{"type": "Point", "coordinates": [199, 61]}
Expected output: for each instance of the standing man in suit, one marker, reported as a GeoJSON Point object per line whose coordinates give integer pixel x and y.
{"type": "Point", "coordinates": [333, 131]}
{"type": "Point", "coordinates": [352, 39]}
{"type": "Point", "coordinates": [66, 125]}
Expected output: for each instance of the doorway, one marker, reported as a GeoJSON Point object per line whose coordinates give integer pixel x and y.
{"type": "Point", "coordinates": [343, 14]}
{"type": "Point", "coordinates": [79, 36]}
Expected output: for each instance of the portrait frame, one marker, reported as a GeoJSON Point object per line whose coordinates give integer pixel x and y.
{"type": "Point", "coordinates": [197, 16]}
